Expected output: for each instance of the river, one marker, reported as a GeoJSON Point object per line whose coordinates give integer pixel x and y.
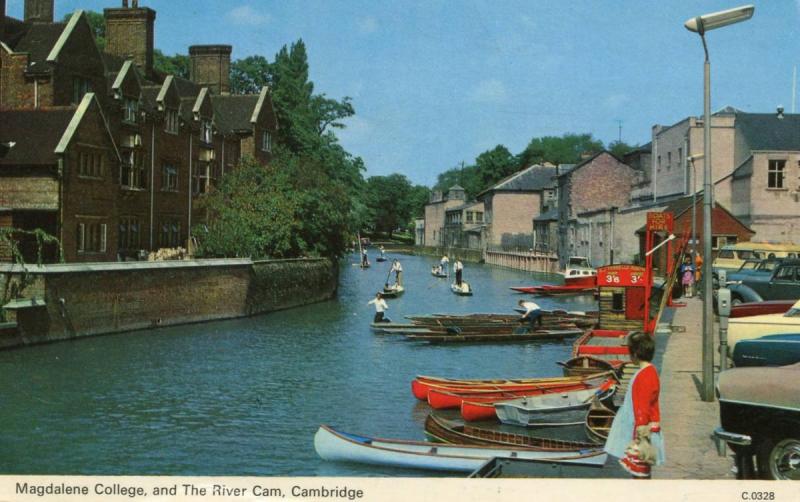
{"type": "Point", "coordinates": [245, 397]}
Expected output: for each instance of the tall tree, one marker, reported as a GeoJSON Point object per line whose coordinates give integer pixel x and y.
{"type": "Point", "coordinates": [620, 148]}
{"type": "Point", "coordinates": [468, 177]}
{"type": "Point", "coordinates": [177, 65]}
{"type": "Point", "coordinates": [249, 75]}
{"type": "Point", "coordinates": [389, 199]}
{"type": "Point", "coordinates": [566, 149]}
{"type": "Point", "coordinates": [494, 165]}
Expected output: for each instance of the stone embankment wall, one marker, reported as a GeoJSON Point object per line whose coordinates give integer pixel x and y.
{"type": "Point", "coordinates": [467, 255]}
{"type": "Point", "coordinates": [78, 300]}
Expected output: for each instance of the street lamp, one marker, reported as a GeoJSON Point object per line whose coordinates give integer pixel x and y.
{"type": "Point", "coordinates": [700, 25]}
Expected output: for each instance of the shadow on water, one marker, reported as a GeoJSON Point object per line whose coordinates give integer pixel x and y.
{"type": "Point", "coordinates": [245, 397]}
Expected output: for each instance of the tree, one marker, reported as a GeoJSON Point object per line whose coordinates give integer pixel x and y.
{"type": "Point", "coordinates": [249, 75]}
{"type": "Point", "coordinates": [389, 199]}
{"type": "Point", "coordinates": [467, 177]}
{"type": "Point", "coordinates": [177, 65]}
{"type": "Point", "coordinates": [494, 165]}
{"type": "Point", "coordinates": [97, 22]}
{"type": "Point", "coordinates": [566, 149]}
{"type": "Point", "coordinates": [619, 148]}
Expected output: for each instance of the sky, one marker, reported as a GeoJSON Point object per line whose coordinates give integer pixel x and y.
{"type": "Point", "coordinates": [436, 82]}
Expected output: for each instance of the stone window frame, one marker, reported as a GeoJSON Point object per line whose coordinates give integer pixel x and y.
{"type": "Point", "coordinates": [172, 121]}
{"type": "Point", "coordinates": [81, 86]}
{"type": "Point", "coordinates": [97, 155]}
{"type": "Point", "coordinates": [266, 141]}
{"type": "Point", "coordinates": [170, 233]}
{"type": "Point", "coordinates": [92, 238]}
{"type": "Point", "coordinates": [132, 173]}
{"type": "Point", "coordinates": [169, 180]}
{"type": "Point", "coordinates": [776, 174]}
{"type": "Point", "coordinates": [130, 110]}
{"type": "Point", "coordinates": [130, 233]}
{"type": "Point", "coordinates": [206, 132]}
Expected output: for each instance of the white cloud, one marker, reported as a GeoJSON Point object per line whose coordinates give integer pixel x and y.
{"type": "Point", "coordinates": [615, 100]}
{"type": "Point", "coordinates": [367, 25]}
{"type": "Point", "coordinates": [248, 16]}
{"type": "Point", "coordinates": [489, 91]}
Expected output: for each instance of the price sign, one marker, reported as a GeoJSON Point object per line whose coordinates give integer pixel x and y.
{"type": "Point", "coordinates": [620, 276]}
{"type": "Point", "coordinates": [660, 222]}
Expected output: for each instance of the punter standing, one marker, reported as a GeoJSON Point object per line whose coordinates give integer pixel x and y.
{"type": "Point", "coordinates": [380, 308]}
{"type": "Point", "coordinates": [398, 271]}
{"type": "Point", "coordinates": [445, 264]}
{"type": "Point", "coordinates": [458, 268]}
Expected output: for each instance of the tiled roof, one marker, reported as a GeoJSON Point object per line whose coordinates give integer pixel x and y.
{"type": "Point", "coordinates": [530, 179]}
{"type": "Point", "coordinates": [551, 215]}
{"type": "Point", "coordinates": [35, 134]}
{"type": "Point", "coordinates": [765, 131]}
{"type": "Point", "coordinates": [38, 41]}
{"type": "Point", "coordinates": [233, 113]}
{"type": "Point", "coordinates": [186, 88]}
{"type": "Point", "coordinates": [149, 95]}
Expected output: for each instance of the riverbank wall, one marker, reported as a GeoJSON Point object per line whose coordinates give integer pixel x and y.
{"type": "Point", "coordinates": [66, 301]}
{"type": "Point", "coordinates": [466, 255]}
{"type": "Point", "coordinates": [518, 260]}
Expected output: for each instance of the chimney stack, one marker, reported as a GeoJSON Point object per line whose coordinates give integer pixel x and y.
{"type": "Point", "coordinates": [38, 11]}
{"type": "Point", "coordinates": [2, 19]}
{"type": "Point", "coordinates": [211, 66]}
{"type": "Point", "coordinates": [130, 33]}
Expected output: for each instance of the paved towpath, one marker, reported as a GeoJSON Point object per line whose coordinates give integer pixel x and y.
{"type": "Point", "coordinates": [687, 421]}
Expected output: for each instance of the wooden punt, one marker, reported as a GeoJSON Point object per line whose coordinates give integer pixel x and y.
{"type": "Point", "coordinates": [588, 365]}
{"type": "Point", "coordinates": [435, 273]}
{"type": "Point", "coordinates": [461, 290]}
{"type": "Point", "coordinates": [423, 383]}
{"type": "Point", "coordinates": [598, 422]}
{"type": "Point", "coordinates": [334, 445]}
{"type": "Point", "coordinates": [393, 292]}
{"type": "Point", "coordinates": [447, 431]}
{"type": "Point", "coordinates": [468, 337]}
{"type": "Point", "coordinates": [380, 259]}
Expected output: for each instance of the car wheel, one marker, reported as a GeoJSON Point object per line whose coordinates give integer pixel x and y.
{"type": "Point", "coordinates": [779, 460]}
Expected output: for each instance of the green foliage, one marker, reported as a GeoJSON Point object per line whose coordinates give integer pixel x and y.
{"type": "Point", "coordinates": [566, 149]}
{"type": "Point", "coordinates": [494, 165]}
{"type": "Point", "coordinates": [468, 177]}
{"type": "Point", "coordinates": [177, 65]}
{"type": "Point", "coordinates": [620, 148]}
{"type": "Point", "coordinates": [288, 209]}
{"type": "Point", "coordinates": [419, 196]}
{"type": "Point", "coordinates": [389, 198]}
{"type": "Point", "coordinates": [249, 75]}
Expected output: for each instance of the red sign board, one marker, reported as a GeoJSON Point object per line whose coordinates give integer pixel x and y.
{"type": "Point", "coordinates": [660, 222]}
{"type": "Point", "coordinates": [620, 276]}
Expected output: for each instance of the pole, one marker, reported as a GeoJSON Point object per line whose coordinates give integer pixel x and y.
{"type": "Point", "coordinates": [708, 319]}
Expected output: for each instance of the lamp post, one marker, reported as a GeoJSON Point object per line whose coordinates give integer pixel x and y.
{"type": "Point", "coordinates": [700, 25]}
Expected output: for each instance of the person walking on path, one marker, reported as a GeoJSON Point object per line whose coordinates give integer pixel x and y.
{"type": "Point", "coordinates": [398, 271]}
{"type": "Point", "coordinates": [532, 315]}
{"type": "Point", "coordinates": [458, 268]}
{"type": "Point", "coordinates": [687, 277]}
{"type": "Point", "coordinates": [380, 308]}
{"type": "Point", "coordinates": [635, 435]}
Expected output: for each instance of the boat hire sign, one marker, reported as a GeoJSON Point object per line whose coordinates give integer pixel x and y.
{"type": "Point", "coordinates": [660, 222]}
{"type": "Point", "coordinates": [620, 276]}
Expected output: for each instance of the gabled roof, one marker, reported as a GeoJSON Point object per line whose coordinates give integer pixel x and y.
{"type": "Point", "coordinates": [679, 206]}
{"type": "Point", "coordinates": [52, 57]}
{"type": "Point", "coordinates": [531, 179]}
{"type": "Point", "coordinates": [466, 205]}
{"type": "Point", "coordinates": [89, 100]}
{"type": "Point", "coordinates": [39, 41]}
{"type": "Point", "coordinates": [765, 131]}
{"type": "Point", "coordinates": [35, 134]}
{"type": "Point", "coordinates": [127, 72]}
{"type": "Point", "coordinates": [588, 161]}
{"type": "Point", "coordinates": [235, 113]}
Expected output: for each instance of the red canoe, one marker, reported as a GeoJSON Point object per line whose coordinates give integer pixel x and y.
{"type": "Point", "coordinates": [422, 384]}
{"type": "Point", "coordinates": [442, 399]}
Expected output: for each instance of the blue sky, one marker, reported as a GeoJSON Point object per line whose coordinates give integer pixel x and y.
{"type": "Point", "coordinates": [437, 82]}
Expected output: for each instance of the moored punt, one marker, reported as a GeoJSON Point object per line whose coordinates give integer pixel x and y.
{"type": "Point", "coordinates": [331, 444]}
{"type": "Point", "coordinates": [598, 422]}
{"type": "Point", "coordinates": [463, 290]}
{"type": "Point", "coordinates": [393, 291]}
{"type": "Point", "coordinates": [475, 337]}
{"type": "Point", "coordinates": [588, 365]}
{"type": "Point", "coordinates": [437, 273]}
{"type": "Point", "coordinates": [447, 431]}
{"type": "Point", "coordinates": [423, 383]}
{"type": "Point", "coordinates": [551, 409]}
{"type": "Point", "coordinates": [551, 290]}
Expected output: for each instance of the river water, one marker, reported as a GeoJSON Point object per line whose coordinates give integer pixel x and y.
{"type": "Point", "coordinates": [245, 397]}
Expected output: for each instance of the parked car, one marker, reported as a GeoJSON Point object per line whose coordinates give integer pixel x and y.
{"type": "Point", "coordinates": [770, 350]}
{"type": "Point", "coordinates": [731, 256]}
{"type": "Point", "coordinates": [760, 308]}
{"type": "Point", "coordinates": [759, 412]}
{"type": "Point", "coordinates": [747, 328]}
{"type": "Point", "coordinates": [782, 284]}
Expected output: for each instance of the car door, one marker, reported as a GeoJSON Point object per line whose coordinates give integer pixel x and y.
{"type": "Point", "coordinates": [784, 284]}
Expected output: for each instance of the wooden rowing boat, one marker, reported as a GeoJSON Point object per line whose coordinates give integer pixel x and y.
{"type": "Point", "coordinates": [588, 365]}
{"type": "Point", "coordinates": [551, 409]}
{"type": "Point", "coordinates": [463, 290]}
{"type": "Point", "coordinates": [393, 292]}
{"type": "Point", "coordinates": [334, 445]}
{"type": "Point", "coordinates": [598, 422]}
{"type": "Point", "coordinates": [447, 431]}
{"type": "Point", "coordinates": [423, 383]}
{"type": "Point", "coordinates": [436, 273]}
{"type": "Point", "coordinates": [604, 344]}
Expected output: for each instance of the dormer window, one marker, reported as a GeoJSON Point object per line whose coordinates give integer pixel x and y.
{"type": "Point", "coordinates": [266, 142]}
{"type": "Point", "coordinates": [80, 86]}
{"type": "Point", "coordinates": [205, 132]}
{"type": "Point", "coordinates": [171, 121]}
{"type": "Point", "coordinates": [130, 110]}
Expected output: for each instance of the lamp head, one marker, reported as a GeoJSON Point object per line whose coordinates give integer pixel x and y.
{"type": "Point", "coordinates": [706, 22]}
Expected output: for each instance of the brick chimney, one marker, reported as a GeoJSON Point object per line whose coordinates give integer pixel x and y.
{"type": "Point", "coordinates": [130, 32]}
{"type": "Point", "coordinates": [2, 19]}
{"type": "Point", "coordinates": [38, 11]}
{"type": "Point", "coordinates": [211, 66]}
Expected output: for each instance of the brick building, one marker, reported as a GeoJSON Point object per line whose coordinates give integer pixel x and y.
{"type": "Point", "coordinates": [435, 212]}
{"type": "Point", "coordinates": [110, 154]}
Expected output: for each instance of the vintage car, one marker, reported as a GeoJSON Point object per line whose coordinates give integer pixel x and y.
{"type": "Point", "coordinates": [782, 284]}
{"type": "Point", "coordinates": [746, 328]}
{"type": "Point", "coordinates": [760, 417]}
{"type": "Point", "coordinates": [770, 350]}
{"type": "Point", "coordinates": [761, 308]}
